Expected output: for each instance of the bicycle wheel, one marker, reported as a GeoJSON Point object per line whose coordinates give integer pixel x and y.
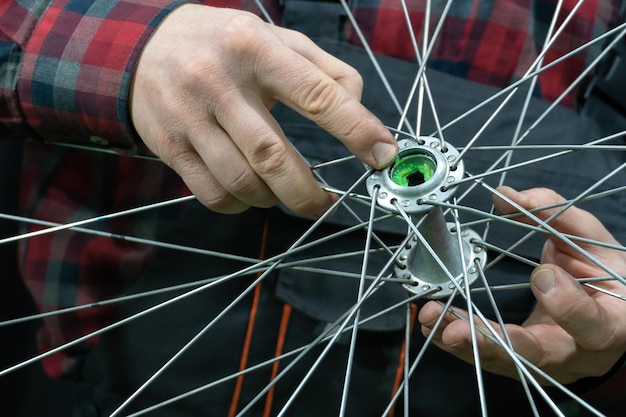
{"type": "Point", "coordinates": [269, 314]}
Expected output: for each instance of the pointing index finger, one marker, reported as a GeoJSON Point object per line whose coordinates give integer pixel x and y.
{"type": "Point", "coordinates": [303, 86]}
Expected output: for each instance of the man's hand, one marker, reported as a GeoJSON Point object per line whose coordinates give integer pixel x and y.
{"type": "Point", "coordinates": [201, 97]}
{"type": "Point", "coordinates": [573, 331]}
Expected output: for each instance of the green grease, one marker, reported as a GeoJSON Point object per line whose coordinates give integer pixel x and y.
{"type": "Point", "coordinates": [412, 170]}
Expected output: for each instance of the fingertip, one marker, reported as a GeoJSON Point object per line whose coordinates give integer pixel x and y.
{"type": "Point", "coordinates": [506, 190]}
{"type": "Point", "coordinates": [457, 335]}
{"type": "Point", "coordinates": [518, 197]}
{"type": "Point", "coordinates": [331, 200]}
{"type": "Point", "coordinates": [313, 204]}
{"type": "Point", "coordinates": [429, 313]}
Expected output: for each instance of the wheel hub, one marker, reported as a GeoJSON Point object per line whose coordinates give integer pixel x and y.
{"type": "Point", "coordinates": [425, 171]}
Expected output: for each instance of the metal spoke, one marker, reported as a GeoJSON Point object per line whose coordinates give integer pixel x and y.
{"type": "Point", "coordinates": [357, 315]}
{"type": "Point", "coordinates": [505, 333]}
{"type": "Point", "coordinates": [323, 255]}
{"type": "Point", "coordinates": [240, 297]}
{"type": "Point", "coordinates": [470, 309]}
{"type": "Point", "coordinates": [97, 219]}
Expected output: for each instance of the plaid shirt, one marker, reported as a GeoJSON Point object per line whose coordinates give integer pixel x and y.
{"type": "Point", "coordinates": [66, 70]}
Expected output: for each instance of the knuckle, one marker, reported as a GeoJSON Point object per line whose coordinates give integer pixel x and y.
{"type": "Point", "coordinates": [603, 339]}
{"type": "Point", "coordinates": [319, 97]}
{"type": "Point", "coordinates": [243, 183]}
{"type": "Point", "coordinates": [181, 157]}
{"type": "Point", "coordinates": [568, 313]}
{"type": "Point", "coordinates": [352, 78]}
{"type": "Point", "coordinates": [296, 36]}
{"type": "Point", "coordinates": [353, 132]}
{"type": "Point", "coordinates": [273, 162]}
{"type": "Point", "coordinates": [193, 73]}
{"type": "Point", "coordinates": [241, 33]}
{"type": "Point", "coordinates": [214, 196]}
{"type": "Point", "coordinates": [269, 156]}
{"type": "Point", "coordinates": [353, 75]}
{"type": "Point", "coordinates": [221, 201]}
{"type": "Point", "coordinates": [175, 151]}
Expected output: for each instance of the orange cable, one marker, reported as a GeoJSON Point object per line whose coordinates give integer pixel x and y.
{"type": "Point", "coordinates": [400, 368]}
{"type": "Point", "coordinates": [279, 350]}
{"type": "Point", "coordinates": [250, 329]}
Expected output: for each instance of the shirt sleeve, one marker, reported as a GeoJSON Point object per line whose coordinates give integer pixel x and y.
{"type": "Point", "coordinates": [66, 68]}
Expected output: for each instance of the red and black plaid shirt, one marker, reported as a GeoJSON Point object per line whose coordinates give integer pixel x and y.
{"type": "Point", "coordinates": [66, 67]}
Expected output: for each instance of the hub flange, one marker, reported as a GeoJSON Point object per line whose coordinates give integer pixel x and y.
{"type": "Point", "coordinates": [425, 171]}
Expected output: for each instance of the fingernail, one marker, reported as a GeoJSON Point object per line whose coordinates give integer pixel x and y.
{"type": "Point", "coordinates": [384, 154]}
{"type": "Point", "coordinates": [544, 280]}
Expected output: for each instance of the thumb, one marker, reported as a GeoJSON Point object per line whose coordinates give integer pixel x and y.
{"type": "Point", "coordinates": [569, 305]}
